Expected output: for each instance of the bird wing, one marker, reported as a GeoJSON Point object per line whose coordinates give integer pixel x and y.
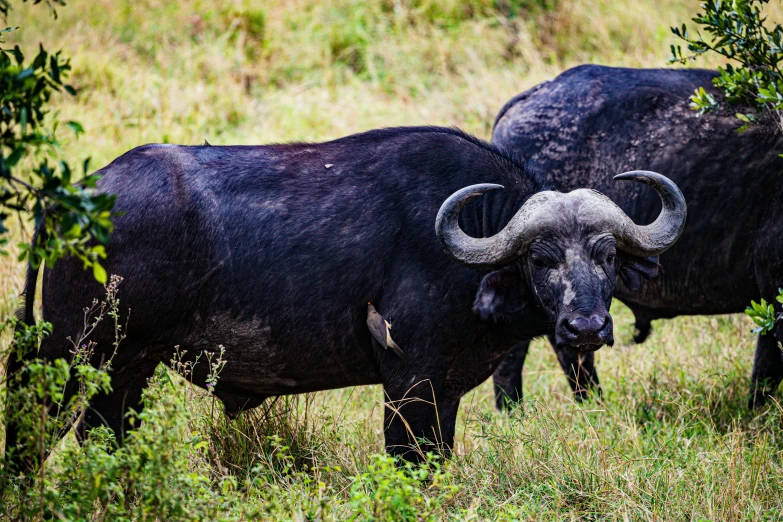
{"type": "Point", "coordinates": [396, 349]}
{"type": "Point", "coordinates": [376, 330]}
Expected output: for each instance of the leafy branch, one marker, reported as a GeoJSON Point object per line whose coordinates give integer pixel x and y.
{"type": "Point", "coordinates": [75, 219]}
{"type": "Point", "coordinates": [763, 314]}
{"type": "Point", "coordinates": [738, 32]}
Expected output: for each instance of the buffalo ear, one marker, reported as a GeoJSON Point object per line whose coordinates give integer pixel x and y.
{"type": "Point", "coordinates": [632, 269]}
{"type": "Point", "coordinates": [500, 294]}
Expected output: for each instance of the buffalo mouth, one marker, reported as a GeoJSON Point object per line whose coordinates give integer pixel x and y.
{"type": "Point", "coordinates": [583, 348]}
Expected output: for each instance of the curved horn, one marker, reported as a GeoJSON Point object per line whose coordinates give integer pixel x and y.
{"type": "Point", "coordinates": [660, 235]}
{"type": "Point", "coordinates": [505, 246]}
{"type": "Point", "coordinates": [469, 250]}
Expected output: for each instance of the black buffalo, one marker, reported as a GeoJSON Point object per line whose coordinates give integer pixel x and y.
{"type": "Point", "coordinates": [593, 121]}
{"type": "Point", "coordinates": [275, 251]}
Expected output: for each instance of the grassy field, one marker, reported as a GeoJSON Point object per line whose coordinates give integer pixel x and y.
{"type": "Point", "coordinates": [670, 440]}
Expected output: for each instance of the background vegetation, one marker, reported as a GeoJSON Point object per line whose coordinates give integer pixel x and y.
{"type": "Point", "coordinates": [671, 438]}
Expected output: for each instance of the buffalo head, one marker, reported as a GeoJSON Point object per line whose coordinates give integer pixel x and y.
{"type": "Point", "coordinates": [565, 251]}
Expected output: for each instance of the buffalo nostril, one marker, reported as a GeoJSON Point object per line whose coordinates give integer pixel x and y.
{"type": "Point", "coordinates": [575, 325]}
{"type": "Point", "coordinates": [599, 322]}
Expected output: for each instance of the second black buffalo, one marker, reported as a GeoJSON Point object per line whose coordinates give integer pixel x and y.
{"type": "Point", "coordinates": [590, 122]}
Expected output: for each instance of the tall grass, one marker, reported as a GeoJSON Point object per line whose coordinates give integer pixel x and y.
{"type": "Point", "coordinates": [670, 439]}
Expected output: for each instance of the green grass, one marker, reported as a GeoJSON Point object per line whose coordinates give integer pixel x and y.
{"type": "Point", "coordinates": [670, 440]}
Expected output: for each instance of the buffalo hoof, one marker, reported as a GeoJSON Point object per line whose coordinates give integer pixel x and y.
{"type": "Point", "coordinates": [581, 395]}
{"type": "Point", "coordinates": [591, 392]}
{"type": "Point", "coordinates": [507, 404]}
{"type": "Point", "coordinates": [758, 398]}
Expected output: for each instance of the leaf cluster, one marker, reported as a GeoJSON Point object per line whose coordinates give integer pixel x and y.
{"type": "Point", "coordinates": [763, 314]}
{"type": "Point", "coordinates": [738, 31]}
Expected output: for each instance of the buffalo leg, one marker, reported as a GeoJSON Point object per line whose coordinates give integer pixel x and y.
{"type": "Point", "coordinates": [508, 377]}
{"type": "Point", "coordinates": [19, 457]}
{"type": "Point", "coordinates": [447, 415]}
{"type": "Point", "coordinates": [412, 424]}
{"type": "Point", "coordinates": [111, 409]}
{"type": "Point", "coordinates": [643, 327]}
{"type": "Point", "coordinates": [767, 370]}
{"type": "Point", "coordinates": [579, 369]}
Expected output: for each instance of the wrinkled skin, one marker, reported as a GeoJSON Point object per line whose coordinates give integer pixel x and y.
{"type": "Point", "coordinates": [275, 251]}
{"type": "Point", "coordinates": [591, 122]}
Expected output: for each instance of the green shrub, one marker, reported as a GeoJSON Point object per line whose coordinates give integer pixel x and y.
{"type": "Point", "coordinates": [389, 491]}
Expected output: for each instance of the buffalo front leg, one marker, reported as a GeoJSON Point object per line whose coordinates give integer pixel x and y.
{"type": "Point", "coordinates": [767, 369]}
{"type": "Point", "coordinates": [508, 377]}
{"type": "Point", "coordinates": [579, 369]}
{"type": "Point", "coordinates": [415, 420]}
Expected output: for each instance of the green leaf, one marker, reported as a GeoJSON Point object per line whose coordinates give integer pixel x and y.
{"type": "Point", "coordinates": [99, 272]}
{"type": "Point", "coordinates": [76, 127]}
{"type": "Point", "coordinates": [15, 156]}
{"type": "Point", "coordinates": [18, 56]}
{"type": "Point", "coordinates": [40, 59]}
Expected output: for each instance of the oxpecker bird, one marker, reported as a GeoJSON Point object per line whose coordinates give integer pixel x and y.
{"type": "Point", "coordinates": [379, 328]}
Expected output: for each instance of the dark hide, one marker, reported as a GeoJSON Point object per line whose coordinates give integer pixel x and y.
{"type": "Point", "coordinates": [593, 122]}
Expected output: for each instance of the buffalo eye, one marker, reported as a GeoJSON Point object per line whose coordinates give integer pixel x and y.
{"type": "Point", "coordinates": [610, 259]}
{"type": "Point", "coordinates": [542, 262]}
